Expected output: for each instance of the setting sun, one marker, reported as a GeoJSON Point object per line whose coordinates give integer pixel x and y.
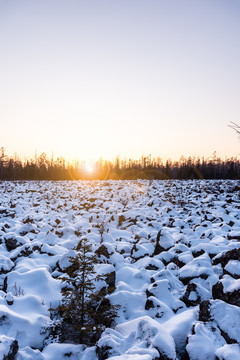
{"type": "Point", "coordinates": [88, 167]}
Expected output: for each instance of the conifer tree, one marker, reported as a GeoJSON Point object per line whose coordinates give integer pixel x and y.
{"type": "Point", "coordinates": [82, 305]}
{"type": "Point", "coordinates": [79, 278]}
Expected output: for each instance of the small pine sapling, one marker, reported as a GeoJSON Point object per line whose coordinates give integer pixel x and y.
{"type": "Point", "coordinates": [83, 308]}
{"type": "Point", "coordinates": [79, 278]}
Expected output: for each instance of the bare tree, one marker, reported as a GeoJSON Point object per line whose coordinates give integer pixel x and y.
{"type": "Point", "coordinates": [235, 127]}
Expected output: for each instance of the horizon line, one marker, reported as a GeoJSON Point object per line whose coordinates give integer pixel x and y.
{"type": "Point", "coordinates": [149, 157]}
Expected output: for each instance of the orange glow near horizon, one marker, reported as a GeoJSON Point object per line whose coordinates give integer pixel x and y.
{"type": "Point", "coordinates": [88, 162]}
{"type": "Point", "coordinates": [162, 84]}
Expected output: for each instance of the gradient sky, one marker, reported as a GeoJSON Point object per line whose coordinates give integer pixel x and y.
{"type": "Point", "coordinates": [94, 78]}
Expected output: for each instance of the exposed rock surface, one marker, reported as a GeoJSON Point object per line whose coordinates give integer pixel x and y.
{"type": "Point", "coordinates": [8, 348]}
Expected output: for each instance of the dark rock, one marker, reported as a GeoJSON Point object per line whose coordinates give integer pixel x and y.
{"type": "Point", "coordinates": [59, 233]}
{"type": "Point", "coordinates": [3, 319]}
{"type": "Point", "coordinates": [5, 284]}
{"type": "Point", "coordinates": [148, 294]}
{"type": "Point", "coordinates": [103, 352]}
{"type": "Point", "coordinates": [23, 233]}
{"type": "Point", "coordinates": [209, 313]}
{"type": "Point", "coordinates": [178, 262]}
{"type": "Point", "coordinates": [133, 250]}
{"type": "Point", "coordinates": [186, 280]}
{"type": "Point", "coordinates": [121, 219]}
{"type": "Point", "coordinates": [232, 298]}
{"type": "Point", "coordinates": [162, 356]}
{"type": "Point", "coordinates": [204, 311]}
{"type": "Point", "coordinates": [149, 304]}
{"type": "Point", "coordinates": [27, 250]}
{"type": "Point", "coordinates": [225, 257]}
{"type": "Point", "coordinates": [102, 250]}
{"type": "Point", "coordinates": [138, 252]}
{"type": "Point", "coordinates": [13, 348]}
{"type": "Point", "coordinates": [151, 267]}
{"type": "Point", "coordinates": [12, 355]}
{"type": "Point", "coordinates": [111, 281]}
{"type": "Point", "coordinates": [227, 337]}
{"type": "Point", "coordinates": [3, 212]}
{"type": "Point", "coordinates": [191, 287]}
{"type": "Point", "coordinates": [28, 220]}
{"type": "Point", "coordinates": [158, 248]}
{"type": "Point", "coordinates": [198, 253]}
{"type": "Point", "coordinates": [11, 244]}
{"type": "Point", "coordinates": [233, 237]}
{"type": "Point", "coordinates": [10, 302]}
{"type": "Point", "coordinates": [228, 332]}
{"type": "Point", "coordinates": [185, 356]}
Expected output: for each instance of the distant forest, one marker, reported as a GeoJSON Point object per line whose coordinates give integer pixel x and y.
{"type": "Point", "coordinates": [44, 168]}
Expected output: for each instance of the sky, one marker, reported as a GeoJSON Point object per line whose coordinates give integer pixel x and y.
{"type": "Point", "coordinates": [106, 78]}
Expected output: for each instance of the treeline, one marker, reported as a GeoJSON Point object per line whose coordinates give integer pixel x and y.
{"type": "Point", "coordinates": [44, 168]}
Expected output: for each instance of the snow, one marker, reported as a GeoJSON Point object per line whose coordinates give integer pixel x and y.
{"type": "Point", "coordinates": [5, 345]}
{"type": "Point", "coordinates": [5, 263]}
{"type": "Point", "coordinates": [233, 267]}
{"type": "Point", "coordinates": [230, 284]}
{"type": "Point", "coordinates": [159, 287]}
{"type": "Point", "coordinates": [36, 282]}
{"type": "Point", "coordinates": [227, 317]}
{"type": "Point", "coordinates": [130, 357]}
{"type": "Point", "coordinates": [180, 326]}
{"type": "Point", "coordinates": [203, 344]}
{"type": "Point", "coordinates": [197, 267]}
{"type": "Point", "coordinates": [142, 336]}
{"type": "Point", "coordinates": [27, 353]}
{"type": "Point", "coordinates": [228, 352]}
{"type": "Point", "coordinates": [132, 303]}
{"type": "Point", "coordinates": [161, 290]}
{"type": "Point", "coordinates": [67, 351]}
{"type": "Point", "coordinates": [25, 328]}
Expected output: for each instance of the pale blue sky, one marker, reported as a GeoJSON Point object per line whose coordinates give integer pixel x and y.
{"type": "Point", "coordinates": [103, 78]}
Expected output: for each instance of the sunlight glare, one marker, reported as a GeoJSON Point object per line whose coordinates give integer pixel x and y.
{"type": "Point", "coordinates": [89, 167]}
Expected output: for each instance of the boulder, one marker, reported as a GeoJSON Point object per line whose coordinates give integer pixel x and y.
{"type": "Point", "coordinates": [228, 290]}
{"type": "Point", "coordinates": [136, 337]}
{"type": "Point", "coordinates": [8, 348]}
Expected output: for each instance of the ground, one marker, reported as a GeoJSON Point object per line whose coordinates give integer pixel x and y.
{"type": "Point", "coordinates": [172, 249]}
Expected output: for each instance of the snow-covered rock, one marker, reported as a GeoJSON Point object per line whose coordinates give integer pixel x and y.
{"type": "Point", "coordinates": [142, 336]}
{"type": "Point", "coordinates": [170, 251]}
{"type": "Point", "coordinates": [8, 348]}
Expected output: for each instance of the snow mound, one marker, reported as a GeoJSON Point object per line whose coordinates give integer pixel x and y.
{"type": "Point", "coordinates": [142, 336]}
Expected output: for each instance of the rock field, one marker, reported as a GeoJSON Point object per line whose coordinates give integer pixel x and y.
{"type": "Point", "coordinates": [172, 246]}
